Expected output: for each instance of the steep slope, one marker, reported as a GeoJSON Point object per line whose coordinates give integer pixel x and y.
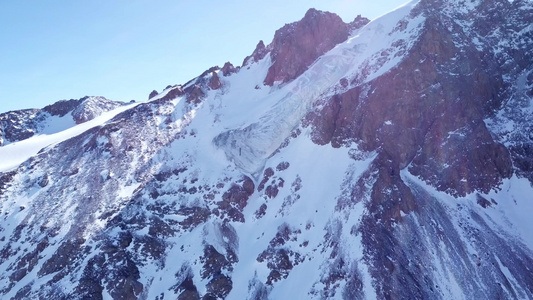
{"type": "Point", "coordinates": [297, 45]}
{"type": "Point", "coordinates": [16, 153]}
{"type": "Point", "coordinates": [22, 124]}
{"type": "Point", "coordinates": [393, 165]}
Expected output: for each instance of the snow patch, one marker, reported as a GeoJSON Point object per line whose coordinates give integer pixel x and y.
{"type": "Point", "coordinates": [16, 153]}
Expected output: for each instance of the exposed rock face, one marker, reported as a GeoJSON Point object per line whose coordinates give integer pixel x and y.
{"type": "Point", "coordinates": [295, 46]}
{"type": "Point", "coordinates": [172, 93]}
{"type": "Point", "coordinates": [22, 124]}
{"type": "Point", "coordinates": [19, 125]}
{"type": "Point", "coordinates": [512, 58]}
{"type": "Point", "coordinates": [259, 53]}
{"type": "Point", "coordinates": [417, 118]}
{"type": "Point", "coordinates": [358, 22]}
{"type": "Point", "coordinates": [398, 165]}
{"type": "Point", "coordinates": [195, 93]}
{"type": "Point", "coordinates": [152, 94]}
{"type": "Point", "coordinates": [63, 107]}
{"type": "Point", "coordinates": [92, 107]}
{"type": "Point", "coordinates": [228, 69]}
{"type": "Point", "coordinates": [214, 82]}
{"type": "Point", "coordinates": [416, 115]}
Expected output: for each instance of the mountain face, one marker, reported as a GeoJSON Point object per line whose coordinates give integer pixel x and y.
{"type": "Point", "coordinates": [390, 159]}
{"type": "Point", "coordinates": [22, 124]}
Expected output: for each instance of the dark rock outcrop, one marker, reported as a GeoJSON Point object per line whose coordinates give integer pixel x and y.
{"type": "Point", "coordinates": [152, 94]}
{"type": "Point", "coordinates": [63, 107]}
{"type": "Point", "coordinates": [19, 125]}
{"type": "Point", "coordinates": [195, 93]}
{"type": "Point", "coordinates": [92, 107]}
{"type": "Point", "coordinates": [259, 53]}
{"type": "Point", "coordinates": [23, 124]}
{"type": "Point", "coordinates": [143, 207]}
{"type": "Point", "coordinates": [228, 69]}
{"type": "Point", "coordinates": [214, 82]}
{"type": "Point", "coordinates": [187, 290]}
{"type": "Point", "coordinates": [522, 155]}
{"type": "Point", "coordinates": [175, 92]}
{"type": "Point", "coordinates": [235, 199]}
{"type": "Point", "coordinates": [420, 120]}
{"type": "Point", "coordinates": [295, 46]}
{"type": "Point", "coordinates": [358, 22]}
{"type": "Point", "coordinates": [279, 259]}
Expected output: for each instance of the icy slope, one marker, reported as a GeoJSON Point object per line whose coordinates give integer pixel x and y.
{"type": "Point", "coordinates": [374, 49]}
{"type": "Point", "coordinates": [212, 190]}
{"type": "Point", "coordinates": [16, 153]}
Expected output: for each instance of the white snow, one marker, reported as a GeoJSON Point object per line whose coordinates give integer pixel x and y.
{"type": "Point", "coordinates": [251, 145]}
{"type": "Point", "coordinates": [249, 142]}
{"type": "Point", "coordinates": [314, 207]}
{"type": "Point", "coordinates": [55, 124]}
{"type": "Point", "coordinates": [509, 216]}
{"type": "Point", "coordinates": [14, 154]}
{"type": "Point", "coordinates": [255, 120]}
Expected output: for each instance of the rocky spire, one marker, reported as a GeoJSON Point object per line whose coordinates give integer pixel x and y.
{"type": "Point", "coordinates": [295, 46]}
{"type": "Point", "coordinates": [259, 53]}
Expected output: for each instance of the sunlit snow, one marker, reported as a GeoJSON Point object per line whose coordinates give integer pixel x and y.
{"type": "Point", "coordinates": [16, 153]}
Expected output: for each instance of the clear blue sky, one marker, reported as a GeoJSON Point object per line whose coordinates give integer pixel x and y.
{"type": "Point", "coordinates": [122, 50]}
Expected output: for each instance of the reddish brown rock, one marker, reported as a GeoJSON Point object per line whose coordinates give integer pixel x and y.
{"type": "Point", "coordinates": [278, 258]}
{"type": "Point", "coordinates": [267, 174]}
{"type": "Point", "coordinates": [421, 120]}
{"type": "Point", "coordinates": [235, 199]}
{"type": "Point", "coordinates": [358, 22]}
{"type": "Point", "coordinates": [259, 53]}
{"type": "Point", "coordinates": [214, 82]}
{"type": "Point", "coordinates": [195, 94]}
{"type": "Point", "coordinates": [295, 46]}
{"type": "Point", "coordinates": [228, 69]}
{"type": "Point", "coordinates": [176, 91]}
{"type": "Point", "coordinates": [61, 108]}
{"type": "Point", "coordinates": [208, 71]}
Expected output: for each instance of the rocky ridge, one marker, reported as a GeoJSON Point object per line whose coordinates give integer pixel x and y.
{"type": "Point", "coordinates": [22, 124]}
{"type": "Point", "coordinates": [405, 173]}
{"type": "Point", "coordinates": [297, 45]}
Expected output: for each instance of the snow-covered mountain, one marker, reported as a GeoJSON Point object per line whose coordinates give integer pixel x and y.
{"type": "Point", "coordinates": [384, 159]}
{"type": "Point", "coordinates": [22, 124]}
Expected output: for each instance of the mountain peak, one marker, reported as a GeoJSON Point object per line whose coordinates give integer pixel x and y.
{"type": "Point", "coordinates": [22, 124]}
{"type": "Point", "coordinates": [62, 107]}
{"type": "Point", "coordinates": [313, 13]}
{"type": "Point", "coordinates": [259, 53]}
{"type": "Point", "coordinates": [92, 107]}
{"type": "Point", "coordinates": [396, 165]}
{"type": "Point", "coordinates": [296, 45]}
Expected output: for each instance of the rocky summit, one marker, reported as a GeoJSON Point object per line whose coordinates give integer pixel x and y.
{"type": "Point", "coordinates": [383, 159]}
